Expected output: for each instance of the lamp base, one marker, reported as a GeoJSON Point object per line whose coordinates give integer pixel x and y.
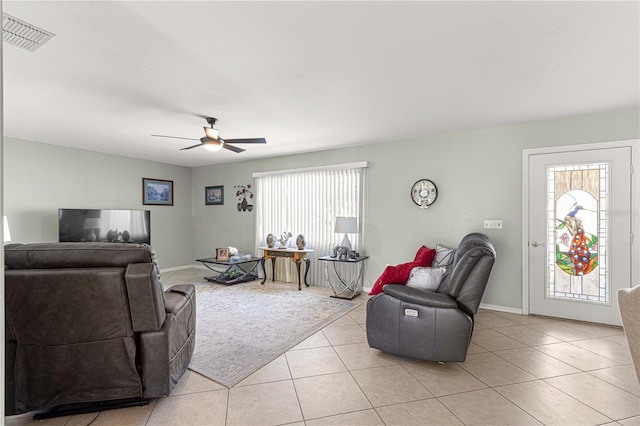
{"type": "Point", "coordinates": [346, 243]}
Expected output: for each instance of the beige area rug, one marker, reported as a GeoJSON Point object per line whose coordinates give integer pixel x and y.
{"type": "Point", "coordinates": [240, 329]}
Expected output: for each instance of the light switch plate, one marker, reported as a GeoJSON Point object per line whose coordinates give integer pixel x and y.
{"type": "Point", "coordinates": [492, 224]}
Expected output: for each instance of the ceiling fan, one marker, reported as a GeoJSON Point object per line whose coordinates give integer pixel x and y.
{"type": "Point", "coordinates": [213, 142]}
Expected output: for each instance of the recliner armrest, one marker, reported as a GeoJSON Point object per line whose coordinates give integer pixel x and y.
{"type": "Point", "coordinates": [420, 297]}
{"type": "Point", "coordinates": [165, 354]}
{"type": "Point", "coordinates": [146, 298]}
{"type": "Point", "coordinates": [176, 296]}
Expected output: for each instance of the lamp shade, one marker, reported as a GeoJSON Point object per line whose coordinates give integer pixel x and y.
{"type": "Point", "coordinates": [92, 223]}
{"type": "Point", "coordinates": [7, 234]}
{"type": "Point", "coordinates": [347, 225]}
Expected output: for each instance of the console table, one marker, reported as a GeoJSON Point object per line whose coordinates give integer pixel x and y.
{"type": "Point", "coordinates": [244, 270]}
{"type": "Point", "coordinates": [345, 286]}
{"type": "Point", "coordinates": [296, 256]}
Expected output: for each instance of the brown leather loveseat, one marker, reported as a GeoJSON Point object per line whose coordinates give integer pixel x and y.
{"type": "Point", "coordinates": [90, 322]}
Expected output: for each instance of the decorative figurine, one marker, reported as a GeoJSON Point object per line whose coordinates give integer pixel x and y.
{"type": "Point", "coordinates": [300, 242]}
{"type": "Point", "coordinates": [270, 240]}
{"type": "Point", "coordinates": [284, 239]}
{"type": "Point", "coordinates": [342, 252]}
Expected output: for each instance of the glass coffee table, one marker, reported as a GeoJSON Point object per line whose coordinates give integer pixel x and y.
{"type": "Point", "coordinates": [231, 272]}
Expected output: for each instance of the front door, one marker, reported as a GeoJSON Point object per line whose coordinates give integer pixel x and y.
{"type": "Point", "coordinates": [579, 241]}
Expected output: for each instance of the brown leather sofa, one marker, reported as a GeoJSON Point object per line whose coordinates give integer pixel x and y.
{"type": "Point", "coordinates": [90, 322]}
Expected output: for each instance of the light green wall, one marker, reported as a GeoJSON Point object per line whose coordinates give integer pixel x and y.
{"type": "Point", "coordinates": [478, 174]}
{"type": "Point", "coordinates": [40, 178]}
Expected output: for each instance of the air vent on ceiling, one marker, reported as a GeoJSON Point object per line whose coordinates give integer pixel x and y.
{"type": "Point", "coordinates": [23, 34]}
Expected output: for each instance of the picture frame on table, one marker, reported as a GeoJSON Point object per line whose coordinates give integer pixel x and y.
{"type": "Point", "coordinates": [222, 254]}
{"type": "Point", "coordinates": [214, 195]}
{"type": "Point", "coordinates": [157, 192]}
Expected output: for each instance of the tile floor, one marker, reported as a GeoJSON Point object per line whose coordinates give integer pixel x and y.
{"type": "Point", "coordinates": [519, 370]}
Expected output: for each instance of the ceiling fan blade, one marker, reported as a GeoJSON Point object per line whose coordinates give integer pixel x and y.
{"type": "Point", "coordinates": [232, 148]}
{"type": "Point", "coordinates": [250, 140]}
{"type": "Point", "coordinates": [189, 147]}
{"type": "Point", "coordinates": [176, 137]}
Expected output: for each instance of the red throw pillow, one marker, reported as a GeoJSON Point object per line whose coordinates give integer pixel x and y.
{"type": "Point", "coordinates": [424, 256]}
{"type": "Point", "coordinates": [399, 274]}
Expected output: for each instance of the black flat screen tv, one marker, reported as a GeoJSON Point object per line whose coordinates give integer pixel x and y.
{"type": "Point", "coordinates": [116, 226]}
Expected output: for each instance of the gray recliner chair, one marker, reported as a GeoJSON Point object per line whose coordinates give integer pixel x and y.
{"type": "Point", "coordinates": [89, 327]}
{"type": "Point", "coordinates": [434, 325]}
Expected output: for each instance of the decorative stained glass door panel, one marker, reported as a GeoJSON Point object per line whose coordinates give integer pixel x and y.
{"type": "Point", "coordinates": [579, 233]}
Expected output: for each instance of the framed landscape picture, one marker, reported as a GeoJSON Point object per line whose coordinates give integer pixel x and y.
{"type": "Point", "coordinates": [214, 195]}
{"type": "Point", "coordinates": [157, 192]}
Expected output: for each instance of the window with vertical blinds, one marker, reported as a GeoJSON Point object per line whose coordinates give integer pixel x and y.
{"type": "Point", "coordinates": [307, 201]}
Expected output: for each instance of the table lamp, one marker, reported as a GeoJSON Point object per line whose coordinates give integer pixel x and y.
{"type": "Point", "coordinates": [346, 225]}
{"type": "Point", "coordinates": [7, 234]}
{"type": "Point", "coordinates": [92, 224]}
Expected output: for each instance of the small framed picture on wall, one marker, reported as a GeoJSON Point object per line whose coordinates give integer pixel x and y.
{"type": "Point", "coordinates": [157, 192]}
{"type": "Point", "coordinates": [214, 195]}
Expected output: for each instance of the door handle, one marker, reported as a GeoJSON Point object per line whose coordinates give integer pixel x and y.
{"type": "Point", "coordinates": [535, 244]}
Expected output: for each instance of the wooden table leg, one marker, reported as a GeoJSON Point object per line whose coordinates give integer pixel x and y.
{"type": "Point", "coordinates": [273, 269]}
{"type": "Point", "coordinates": [306, 272]}
{"type": "Point", "coordinates": [263, 270]}
{"type": "Point", "coordinates": [298, 267]}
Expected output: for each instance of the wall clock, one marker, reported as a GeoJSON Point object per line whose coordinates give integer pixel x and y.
{"type": "Point", "coordinates": [424, 193]}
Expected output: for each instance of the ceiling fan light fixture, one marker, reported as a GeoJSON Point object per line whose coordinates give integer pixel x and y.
{"type": "Point", "coordinates": [212, 145]}
{"type": "Point", "coordinates": [211, 133]}
{"type": "Point", "coordinates": [212, 140]}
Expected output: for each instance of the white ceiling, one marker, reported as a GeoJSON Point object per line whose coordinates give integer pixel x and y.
{"type": "Point", "coordinates": [309, 75]}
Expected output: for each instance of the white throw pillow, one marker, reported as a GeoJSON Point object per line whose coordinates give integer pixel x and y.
{"type": "Point", "coordinates": [425, 278]}
{"type": "Point", "coordinates": [444, 256]}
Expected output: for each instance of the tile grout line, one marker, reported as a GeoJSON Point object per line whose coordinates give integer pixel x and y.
{"type": "Point", "coordinates": [574, 398]}
{"type": "Point", "coordinates": [436, 397]}
{"type": "Point", "coordinates": [293, 383]}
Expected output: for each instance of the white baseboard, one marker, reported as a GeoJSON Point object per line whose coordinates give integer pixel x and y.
{"type": "Point", "coordinates": [499, 308]}
{"type": "Point", "coordinates": [179, 268]}
{"type": "Point", "coordinates": [198, 267]}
